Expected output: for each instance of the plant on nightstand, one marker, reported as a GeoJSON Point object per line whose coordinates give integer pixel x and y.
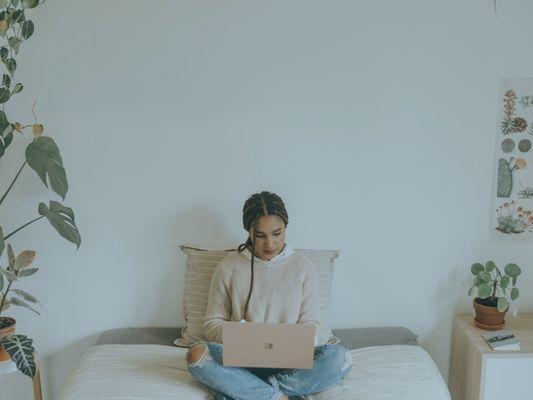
{"type": "Point", "coordinates": [42, 156]}
{"type": "Point", "coordinates": [493, 290]}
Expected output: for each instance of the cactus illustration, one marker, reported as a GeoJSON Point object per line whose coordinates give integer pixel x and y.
{"type": "Point", "coordinates": [505, 178]}
{"type": "Point", "coordinates": [524, 145]}
{"type": "Point", "coordinates": [508, 145]}
{"type": "Point", "coordinates": [505, 175]}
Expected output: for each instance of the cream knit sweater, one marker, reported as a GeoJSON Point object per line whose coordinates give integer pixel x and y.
{"type": "Point", "coordinates": [285, 291]}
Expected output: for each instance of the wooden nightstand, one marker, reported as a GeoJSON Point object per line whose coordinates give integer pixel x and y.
{"type": "Point", "coordinates": [11, 367]}
{"type": "Point", "coordinates": [479, 373]}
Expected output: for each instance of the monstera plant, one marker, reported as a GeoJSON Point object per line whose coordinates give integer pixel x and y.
{"type": "Point", "coordinates": [42, 156]}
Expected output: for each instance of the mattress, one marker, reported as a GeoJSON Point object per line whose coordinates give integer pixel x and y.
{"type": "Point", "coordinates": [157, 372]}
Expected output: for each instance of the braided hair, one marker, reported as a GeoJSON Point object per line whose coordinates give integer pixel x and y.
{"type": "Point", "coordinates": [259, 205]}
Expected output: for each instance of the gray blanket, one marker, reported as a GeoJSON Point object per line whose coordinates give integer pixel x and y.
{"type": "Point", "coordinates": [352, 338]}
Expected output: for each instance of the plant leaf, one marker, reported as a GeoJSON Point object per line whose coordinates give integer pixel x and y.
{"type": "Point", "coordinates": [30, 3]}
{"type": "Point", "coordinates": [21, 303]}
{"type": "Point", "coordinates": [11, 277]}
{"type": "Point", "coordinates": [24, 259]}
{"type": "Point", "coordinates": [4, 52]}
{"type": "Point", "coordinates": [62, 219]}
{"type": "Point", "coordinates": [471, 291]}
{"type": "Point", "coordinates": [504, 282]}
{"type": "Point", "coordinates": [514, 294]}
{"type": "Point", "coordinates": [11, 65]}
{"type": "Point", "coordinates": [1, 282]}
{"type": "Point", "coordinates": [27, 272]}
{"type": "Point", "coordinates": [27, 29]}
{"type": "Point", "coordinates": [2, 242]}
{"type": "Point", "coordinates": [26, 296]}
{"type": "Point", "coordinates": [512, 270]}
{"type": "Point", "coordinates": [18, 16]}
{"type": "Point", "coordinates": [484, 291]}
{"type": "Point", "coordinates": [485, 276]}
{"type": "Point", "coordinates": [503, 303]}
{"type": "Point", "coordinates": [489, 266]}
{"type": "Point", "coordinates": [18, 88]}
{"type": "Point", "coordinates": [10, 258]}
{"type": "Point", "coordinates": [476, 268]}
{"type": "Point", "coordinates": [43, 157]}
{"type": "Point", "coordinates": [4, 95]}
{"type": "Point", "coordinates": [21, 350]}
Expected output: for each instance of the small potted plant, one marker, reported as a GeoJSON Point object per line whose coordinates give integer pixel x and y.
{"type": "Point", "coordinates": [493, 291]}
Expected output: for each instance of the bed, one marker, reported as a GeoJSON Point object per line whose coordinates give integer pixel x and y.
{"type": "Point", "coordinates": [141, 363]}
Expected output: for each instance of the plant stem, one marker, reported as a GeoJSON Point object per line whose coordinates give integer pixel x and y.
{"type": "Point", "coordinates": [23, 226]}
{"type": "Point", "coordinates": [5, 296]}
{"type": "Point", "coordinates": [12, 183]}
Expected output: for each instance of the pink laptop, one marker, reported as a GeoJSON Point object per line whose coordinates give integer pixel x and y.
{"type": "Point", "coordinates": [268, 345]}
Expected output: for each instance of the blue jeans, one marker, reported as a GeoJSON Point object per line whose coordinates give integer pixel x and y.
{"type": "Point", "coordinates": [331, 364]}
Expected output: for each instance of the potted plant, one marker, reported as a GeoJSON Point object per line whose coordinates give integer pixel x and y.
{"type": "Point", "coordinates": [493, 291]}
{"type": "Point", "coordinates": [43, 156]}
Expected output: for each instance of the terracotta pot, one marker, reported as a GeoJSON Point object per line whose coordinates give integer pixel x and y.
{"type": "Point", "coordinates": [5, 332]}
{"type": "Point", "coordinates": [489, 318]}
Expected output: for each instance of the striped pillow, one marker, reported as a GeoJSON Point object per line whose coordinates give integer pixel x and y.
{"type": "Point", "coordinates": [200, 266]}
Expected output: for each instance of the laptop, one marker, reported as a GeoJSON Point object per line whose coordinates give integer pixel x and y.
{"type": "Point", "coordinates": [268, 345]}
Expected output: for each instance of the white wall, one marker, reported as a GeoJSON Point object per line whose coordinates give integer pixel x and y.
{"type": "Point", "coordinates": [374, 120]}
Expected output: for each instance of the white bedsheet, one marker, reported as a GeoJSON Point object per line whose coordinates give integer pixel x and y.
{"type": "Point", "coordinates": [135, 372]}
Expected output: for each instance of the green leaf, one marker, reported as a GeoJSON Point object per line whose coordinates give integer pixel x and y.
{"type": "Point", "coordinates": [484, 291]}
{"type": "Point", "coordinates": [21, 350]}
{"type": "Point", "coordinates": [503, 303]}
{"type": "Point", "coordinates": [18, 16]}
{"type": "Point", "coordinates": [30, 3]}
{"type": "Point", "coordinates": [489, 266]}
{"type": "Point", "coordinates": [1, 283]}
{"type": "Point", "coordinates": [62, 219]}
{"type": "Point", "coordinates": [18, 88]}
{"type": "Point", "coordinates": [4, 95]}
{"type": "Point", "coordinates": [4, 52]}
{"type": "Point", "coordinates": [471, 290]}
{"type": "Point", "coordinates": [25, 295]}
{"type": "Point", "coordinates": [10, 257]}
{"type": "Point", "coordinates": [21, 303]}
{"type": "Point", "coordinates": [15, 3]}
{"type": "Point", "coordinates": [27, 29]}
{"type": "Point", "coordinates": [11, 277]}
{"type": "Point", "coordinates": [11, 65]}
{"type": "Point", "coordinates": [24, 259]}
{"type": "Point", "coordinates": [476, 268]}
{"type": "Point", "coordinates": [485, 276]}
{"type": "Point", "coordinates": [514, 294]}
{"type": "Point", "coordinates": [27, 272]}
{"type": "Point", "coordinates": [14, 43]}
{"type": "Point", "coordinates": [43, 157]}
{"type": "Point", "coordinates": [2, 242]}
{"type": "Point", "coordinates": [6, 80]}
{"type": "Point", "coordinates": [512, 270]}
{"type": "Point", "coordinates": [504, 282]}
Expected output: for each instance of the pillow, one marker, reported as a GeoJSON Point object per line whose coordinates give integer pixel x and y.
{"type": "Point", "coordinates": [200, 265]}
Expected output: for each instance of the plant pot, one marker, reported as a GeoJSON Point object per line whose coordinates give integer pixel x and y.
{"type": "Point", "coordinates": [488, 318]}
{"type": "Point", "coordinates": [7, 328]}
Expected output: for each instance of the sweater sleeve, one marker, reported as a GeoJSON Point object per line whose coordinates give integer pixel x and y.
{"type": "Point", "coordinates": [310, 307]}
{"type": "Point", "coordinates": [218, 303]}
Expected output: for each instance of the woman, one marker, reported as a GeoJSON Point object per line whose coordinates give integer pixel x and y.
{"type": "Point", "coordinates": [265, 281]}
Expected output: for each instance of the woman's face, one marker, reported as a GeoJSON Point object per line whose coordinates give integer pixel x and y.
{"type": "Point", "coordinates": [269, 237]}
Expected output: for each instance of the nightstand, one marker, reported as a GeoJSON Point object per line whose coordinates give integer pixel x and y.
{"type": "Point", "coordinates": [479, 373]}
{"type": "Point", "coordinates": [9, 367]}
